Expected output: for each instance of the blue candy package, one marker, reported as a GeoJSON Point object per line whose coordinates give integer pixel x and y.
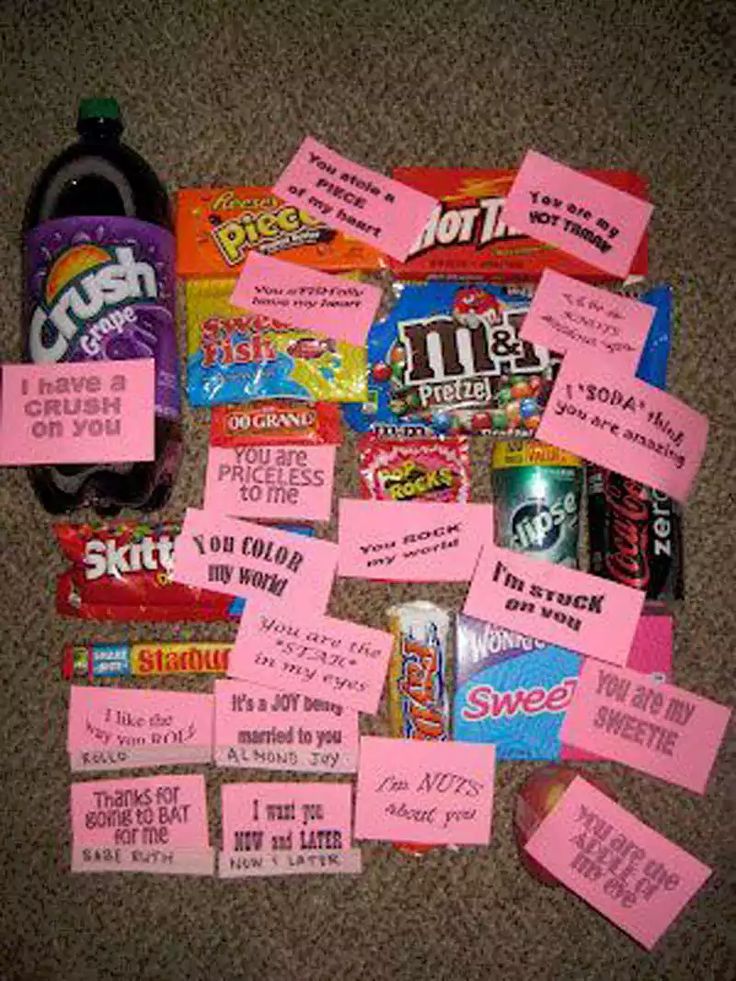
{"type": "Point", "coordinates": [511, 690]}
{"type": "Point", "coordinates": [448, 358]}
{"type": "Point", "coordinates": [235, 610]}
{"type": "Point", "coordinates": [514, 691]}
{"type": "Point", "coordinates": [653, 361]}
{"type": "Point", "coordinates": [236, 356]}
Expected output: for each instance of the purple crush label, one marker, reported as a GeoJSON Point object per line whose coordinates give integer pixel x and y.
{"type": "Point", "coordinates": [102, 289]}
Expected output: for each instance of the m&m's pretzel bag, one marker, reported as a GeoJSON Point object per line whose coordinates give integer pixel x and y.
{"type": "Point", "coordinates": [216, 228]}
{"type": "Point", "coordinates": [123, 572]}
{"type": "Point", "coordinates": [447, 358]}
{"type": "Point", "coordinates": [236, 356]}
{"type": "Point", "coordinates": [466, 236]}
{"type": "Point", "coordinates": [415, 469]}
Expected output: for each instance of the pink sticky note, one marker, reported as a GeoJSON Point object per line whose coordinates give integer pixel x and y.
{"type": "Point", "coordinates": [323, 657]}
{"type": "Point", "coordinates": [550, 602]}
{"type": "Point", "coordinates": [627, 871]}
{"type": "Point", "coordinates": [244, 559]}
{"type": "Point", "coordinates": [421, 541]}
{"type": "Point", "coordinates": [661, 729]}
{"type": "Point", "coordinates": [141, 824]}
{"type": "Point", "coordinates": [569, 316]}
{"type": "Point", "coordinates": [85, 412]}
{"type": "Point", "coordinates": [315, 301]}
{"type": "Point", "coordinates": [385, 213]}
{"type": "Point", "coordinates": [258, 728]}
{"type": "Point", "coordinates": [590, 220]}
{"type": "Point", "coordinates": [650, 655]}
{"type": "Point", "coordinates": [626, 425]}
{"type": "Point", "coordinates": [287, 829]}
{"type": "Point", "coordinates": [271, 481]}
{"type": "Point", "coordinates": [432, 793]}
{"type": "Point", "coordinates": [117, 728]}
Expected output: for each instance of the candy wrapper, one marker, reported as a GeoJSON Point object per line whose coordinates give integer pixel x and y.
{"type": "Point", "coordinates": [123, 572]}
{"type": "Point", "coordinates": [513, 691]}
{"type": "Point", "coordinates": [146, 660]}
{"type": "Point", "coordinates": [216, 228]}
{"type": "Point", "coordinates": [415, 469]}
{"type": "Point", "coordinates": [236, 356]}
{"type": "Point", "coordinates": [466, 236]}
{"type": "Point", "coordinates": [417, 678]}
{"type": "Point", "coordinates": [275, 421]}
{"type": "Point", "coordinates": [447, 359]}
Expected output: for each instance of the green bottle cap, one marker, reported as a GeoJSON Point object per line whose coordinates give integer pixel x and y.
{"type": "Point", "coordinates": [98, 109]}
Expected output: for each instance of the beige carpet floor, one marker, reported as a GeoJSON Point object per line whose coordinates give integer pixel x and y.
{"type": "Point", "coordinates": [225, 91]}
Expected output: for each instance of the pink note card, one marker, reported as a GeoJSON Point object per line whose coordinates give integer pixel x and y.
{"type": "Point", "coordinates": [550, 602]}
{"type": "Point", "coordinates": [627, 871]}
{"type": "Point", "coordinates": [315, 301]}
{"type": "Point", "coordinates": [141, 824]}
{"type": "Point", "coordinates": [625, 425]}
{"type": "Point", "coordinates": [81, 412]}
{"type": "Point", "coordinates": [434, 793]}
{"type": "Point", "coordinates": [660, 729]}
{"type": "Point", "coordinates": [651, 655]}
{"type": "Point", "coordinates": [385, 213]}
{"type": "Point", "coordinates": [323, 657]}
{"type": "Point", "coordinates": [271, 481]}
{"type": "Point", "coordinates": [569, 316]}
{"type": "Point", "coordinates": [259, 728]}
{"type": "Point", "coordinates": [287, 829]}
{"type": "Point", "coordinates": [244, 559]}
{"type": "Point", "coordinates": [116, 728]}
{"type": "Point", "coordinates": [589, 219]}
{"type": "Point", "coordinates": [411, 542]}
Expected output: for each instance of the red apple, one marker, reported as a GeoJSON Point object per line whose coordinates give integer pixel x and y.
{"type": "Point", "coordinates": [536, 797]}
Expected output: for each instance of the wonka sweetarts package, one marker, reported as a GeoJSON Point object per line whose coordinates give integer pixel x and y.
{"type": "Point", "coordinates": [514, 691]}
{"type": "Point", "coordinates": [234, 355]}
{"type": "Point", "coordinates": [448, 358]}
{"type": "Point", "coordinates": [467, 238]}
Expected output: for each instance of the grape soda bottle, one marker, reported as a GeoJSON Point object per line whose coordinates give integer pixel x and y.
{"type": "Point", "coordinates": [99, 286]}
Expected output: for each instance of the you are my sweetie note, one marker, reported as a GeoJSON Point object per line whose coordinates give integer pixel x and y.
{"type": "Point", "coordinates": [567, 315]}
{"type": "Point", "coordinates": [253, 561]}
{"type": "Point", "coordinates": [575, 610]}
{"type": "Point", "coordinates": [115, 728]}
{"type": "Point", "coordinates": [418, 541]}
{"type": "Point", "coordinates": [385, 213]}
{"type": "Point", "coordinates": [315, 301]}
{"type": "Point", "coordinates": [271, 481]}
{"type": "Point", "coordinates": [86, 412]}
{"type": "Point", "coordinates": [621, 423]}
{"type": "Point", "coordinates": [287, 829]}
{"type": "Point", "coordinates": [141, 824]}
{"type": "Point", "coordinates": [434, 793]}
{"type": "Point", "coordinates": [658, 728]}
{"type": "Point", "coordinates": [585, 217]}
{"type": "Point", "coordinates": [261, 729]}
{"type": "Point", "coordinates": [627, 871]}
{"type": "Point", "coordinates": [321, 656]}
